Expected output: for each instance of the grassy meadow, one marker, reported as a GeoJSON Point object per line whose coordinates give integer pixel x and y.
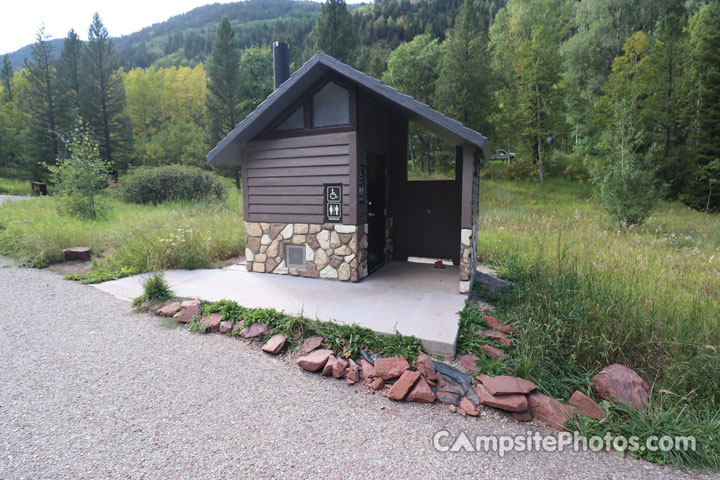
{"type": "Point", "coordinates": [130, 238]}
{"type": "Point", "coordinates": [13, 186]}
{"type": "Point", "coordinates": [587, 295]}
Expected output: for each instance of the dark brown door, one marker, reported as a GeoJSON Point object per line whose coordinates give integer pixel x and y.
{"type": "Point", "coordinates": [376, 210]}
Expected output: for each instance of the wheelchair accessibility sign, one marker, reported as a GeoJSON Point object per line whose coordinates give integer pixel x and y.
{"type": "Point", "coordinates": [333, 203]}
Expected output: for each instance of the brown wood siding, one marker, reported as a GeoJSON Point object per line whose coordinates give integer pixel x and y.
{"type": "Point", "coordinates": [283, 178]}
{"type": "Point", "coordinates": [374, 136]}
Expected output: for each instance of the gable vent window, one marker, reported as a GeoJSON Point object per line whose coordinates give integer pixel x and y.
{"type": "Point", "coordinates": [295, 255]}
{"type": "Point", "coordinates": [295, 121]}
{"type": "Point", "coordinates": [331, 106]}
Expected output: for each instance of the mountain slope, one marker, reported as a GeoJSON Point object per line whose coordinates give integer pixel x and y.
{"type": "Point", "coordinates": [187, 38]}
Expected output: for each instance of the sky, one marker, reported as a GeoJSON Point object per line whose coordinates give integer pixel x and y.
{"type": "Point", "coordinates": [21, 19]}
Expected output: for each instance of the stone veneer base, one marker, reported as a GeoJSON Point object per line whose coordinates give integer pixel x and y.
{"type": "Point", "coordinates": [332, 251]}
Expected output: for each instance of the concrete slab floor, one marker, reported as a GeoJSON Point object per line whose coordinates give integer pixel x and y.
{"type": "Point", "coordinates": [412, 298]}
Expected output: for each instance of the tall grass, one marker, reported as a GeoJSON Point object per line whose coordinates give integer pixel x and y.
{"type": "Point", "coordinates": [12, 186]}
{"type": "Point", "coordinates": [131, 238]}
{"type": "Point", "coordinates": [586, 295]}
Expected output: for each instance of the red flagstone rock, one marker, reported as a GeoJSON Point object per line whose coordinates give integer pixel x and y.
{"type": "Point", "coordinates": [377, 384]}
{"type": "Point", "coordinates": [188, 314]}
{"type": "Point", "coordinates": [401, 388]}
{"type": "Point", "coordinates": [352, 374]}
{"type": "Point", "coordinates": [367, 368]}
{"type": "Point", "coordinates": [497, 324]}
{"type": "Point", "coordinates": [549, 410]}
{"type": "Point", "coordinates": [389, 368]}
{"type": "Point", "coordinates": [505, 385]}
{"type": "Point", "coordinates": [421, 392]}
{"type": "Point", "coordinates": [339, 367]}
{"type": "Point", "coordinates": [212, 322]}
{"type": "Point", "coordinates": [493, 352]}
{"type": "Point", "coordinates": [276, 344]}
{"type": "Point", "coordinates": [525, 416]}
{"type": "Point", "coordinates": [499, 336]}
{"type": "Point", "coordinates": [225, 327]}
{"type": "Point", "coordinates": [586, 406]}
{"type": "Point", "coordinates": [255, 330]}
{"type": "Point", "coordinates": [468, 407]}
{"type": "Point", "coordinates": [238, 327]}
{"type": "Point", "coordinates": [469, 362]}
{"type": "Point", "coordinates": [315, 360]}
{"type": "Point", "coordinates": [619, 383]}
{"type": "Point", "coordinates": [425, 366]}
{"type": "Point", "coordinates": [312, 343]}
{"type": "Point", "coordinates": [169, 310]}
{"type": "Point", "coordinates": [190, 303]}
{"type": "Point", "coordinates": [329, 366]}
{"type": "Point", "coordinates": [509, 403]}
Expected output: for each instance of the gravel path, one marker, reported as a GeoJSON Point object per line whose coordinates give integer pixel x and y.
{"type": "Point", "coordinates": [7, 198]}
{"type": "Point", "coordinates": [89, 389]}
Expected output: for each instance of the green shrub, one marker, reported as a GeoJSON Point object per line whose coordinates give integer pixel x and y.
{"type": "Point", "coordinates": [80, 174]}
{"type": "Point", "coordinates": [155, 288]}
{"type": "Point", "coordinates": [163, 184]}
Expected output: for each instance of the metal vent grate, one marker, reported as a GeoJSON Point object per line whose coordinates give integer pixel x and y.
{"type": "Point", "coordinates": [295, 255]}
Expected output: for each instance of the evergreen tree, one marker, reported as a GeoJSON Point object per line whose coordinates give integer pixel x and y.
{"type": "Point", "coordinates": [68, 73]}
{"type": "Point", "coordinates": [525, 41]}
{"type": "Point", "coordinates": [40, 102]}
{"type": "Point", "coordinates": [102, 103]}
{"type": "Point", "coordinates": [666, 108]}
{"type": "Point", "coordinates": [223, 84]}
{"type": "Point", "coordinates": [335, 33]}
{"type": "Point", "coordinates": [6, 77]}
{"type": "Point", "coordinates": [705, 44]}
{"type": "Point", "coordinates": [463, 90]}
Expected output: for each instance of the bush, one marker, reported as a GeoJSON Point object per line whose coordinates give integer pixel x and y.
{"type": "Point", "coordinates": [80, 174]}
{"type": "Point", "coordinates": [164, 184]}
{"type": "Point", "coordinates": [155, 288]}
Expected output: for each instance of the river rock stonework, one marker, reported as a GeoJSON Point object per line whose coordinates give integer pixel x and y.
{"type": "Point", "coordinates": [332, 251]}
{"type": "Point", "coordinates": [468, 257]}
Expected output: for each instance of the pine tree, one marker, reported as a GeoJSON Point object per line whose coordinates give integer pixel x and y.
{"type": "Point", "coordinates": [6, 76]}
{"type": "Point", "coordinates": [525, 41]}
{"type": "Point", "coordinates": [335, 33]}
{"type": "Point", "coordinates": [705, 44]}
{"type": "Point", "coordinates": [463, 86]}
{"type": "Point", "coordinates": [223, 99]}
{"type": "Point", "coordinates": [102, 103]}
{"type": "Point", "coordinates": [68, 73]}
{"type": "Point", "coordinates": [39, 100]}
{"type": "Point", "coordinates": [223, 108]}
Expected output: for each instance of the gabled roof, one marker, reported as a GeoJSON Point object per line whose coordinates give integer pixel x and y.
{"type": "Point", "coordinates": [451, 130]}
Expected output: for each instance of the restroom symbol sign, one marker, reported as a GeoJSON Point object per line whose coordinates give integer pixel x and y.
{"type": "Point", "coordinates": [333, 203]}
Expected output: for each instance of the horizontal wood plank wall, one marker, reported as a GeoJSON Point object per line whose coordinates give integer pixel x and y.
{"type": "Point", "coordinates": [284, 177]}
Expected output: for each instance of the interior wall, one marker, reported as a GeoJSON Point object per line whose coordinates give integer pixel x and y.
{"type": "Point", "coordinates": [426, 213]}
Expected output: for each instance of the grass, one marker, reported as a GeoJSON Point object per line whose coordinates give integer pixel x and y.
{"type": "Point", "coordinates": [155, 289]}
{"type": "Point", "coordinates": [587, 295]}
{"type": "Point", "coordinates": [347, 340]}
{"type": "Point", "coordinates": [12, 186]}
{"type": "Point", "coordinates": [130, 239]}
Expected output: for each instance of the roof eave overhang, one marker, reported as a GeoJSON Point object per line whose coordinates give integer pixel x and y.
{"type": "Point", "coordinates": [228, 149]}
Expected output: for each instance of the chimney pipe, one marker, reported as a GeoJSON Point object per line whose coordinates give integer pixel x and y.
{"type": "Point", "coordinates": [281, 62]}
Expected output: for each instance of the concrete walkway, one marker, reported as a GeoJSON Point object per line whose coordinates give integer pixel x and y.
{"type": "Point", "coordinates": [412, 298]}
{"type": "Point", "coordinates": [7, 198]}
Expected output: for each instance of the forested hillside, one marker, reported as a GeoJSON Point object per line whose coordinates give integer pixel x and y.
{"type": "Point", "coordinates": [621, 93]}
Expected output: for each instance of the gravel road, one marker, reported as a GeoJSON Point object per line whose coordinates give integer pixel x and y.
{"type": "Point", "coordinates": [89, 389]}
